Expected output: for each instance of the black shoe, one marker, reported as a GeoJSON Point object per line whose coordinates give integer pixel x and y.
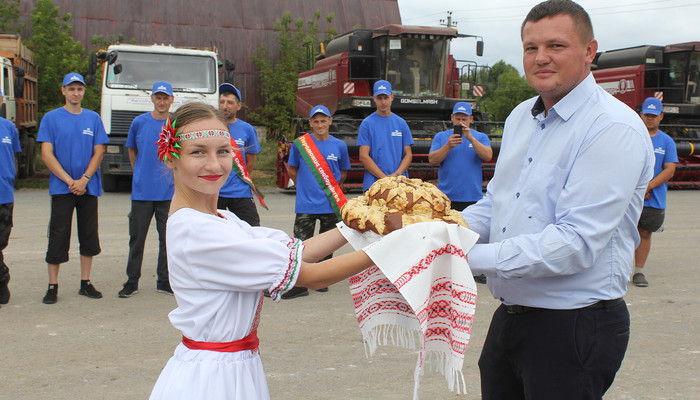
{"type": "Point", "coordinates": [480, 279]}
{"type": "Point", "coordinates": [640, 280]}
{"type": "Point", "coordinates": [324, 290]}
{"type": "Point", "coordinates": [164, 287]}
{"type": "Point", "coordinates": [266, 293]}
{"type": "Point", "coordinates": [51, 295]}
{"type": "Point", "coordinates": [129, 290]}
{"type": "Point", "coordinates": [296, 291]}
{"type": "Point", "coordinates": [4, 290]}
{"type": "Point", "coordinates": [88, 290]}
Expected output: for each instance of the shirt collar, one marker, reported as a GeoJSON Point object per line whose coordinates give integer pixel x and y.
{"type": "Point", "coordinates": [567, 106]}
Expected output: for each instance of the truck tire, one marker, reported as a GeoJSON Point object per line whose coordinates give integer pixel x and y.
{"type": "Point", "coordinates": [31, 156]}
{"type": "Point", "coordinates": [110, 183]}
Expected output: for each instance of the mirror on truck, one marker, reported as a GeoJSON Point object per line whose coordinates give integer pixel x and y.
{"type": "Point", "coordinates": [90, 78]}
{"type": "Point", "coordinates": [480, 48]}
{"type": "Point", "coordinates": [111, 58]}
{"type": "Point", "coordinates": [229, 67]}
{"type": "Point", "coordinates": [117, 69]}
{"type": "Point", "coordinates": [19, 82]}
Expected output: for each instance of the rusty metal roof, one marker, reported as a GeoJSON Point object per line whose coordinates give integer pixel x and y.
{"type": "Point", "coordinates": [236, 27]}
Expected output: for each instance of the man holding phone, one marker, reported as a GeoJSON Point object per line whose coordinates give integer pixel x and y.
{"type": "Point", "coordinates": [460, 152]}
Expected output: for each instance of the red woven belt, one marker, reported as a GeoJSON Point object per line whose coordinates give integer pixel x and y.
{"type": "Point", "coordinates": [250, 342]}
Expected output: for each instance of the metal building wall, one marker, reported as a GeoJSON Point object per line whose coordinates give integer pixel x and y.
{"type": "Point", "coordinates": [236, 27]}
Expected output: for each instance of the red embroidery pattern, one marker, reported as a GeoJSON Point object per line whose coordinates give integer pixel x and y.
{"type": "Point", "coordinates": [295, 246]}
{"type": "Point", "coordinates": [448, 249]}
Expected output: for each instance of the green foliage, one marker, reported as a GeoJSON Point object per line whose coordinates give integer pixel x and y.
{"type": "Point", "coordinates": [297, 42]}
{"type": "Point", "coordinates": [55, 51]}
{"type": "Point", "coordinates": [506, 89]}
{"type": "Point", "coordinates": [9, 15]}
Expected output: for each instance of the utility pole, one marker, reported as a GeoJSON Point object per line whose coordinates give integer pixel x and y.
{"type": "Point", "coordinates": [449, 22]}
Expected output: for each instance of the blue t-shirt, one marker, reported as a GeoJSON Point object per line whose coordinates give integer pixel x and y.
{"type": "Point", "coordinates": [73, 137]}
{"type": "Point", "coordinates": [459, 176]}
{"type": "Point", "coordinates": [664, 152]}
{"type": "Point", "coordinates": [152, 180]}
{"type": "Point", "coordinates": [247, 140]}
{"type": "Point", "coordinates": [9, 145]}
{"type": "Point", "coordinates": [386, 138]}
{"type": "Point", "coordinates": [311, 199]}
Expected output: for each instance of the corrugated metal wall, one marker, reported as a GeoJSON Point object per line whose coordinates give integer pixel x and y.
{"type": "Point", "coordinates": [235, 27]}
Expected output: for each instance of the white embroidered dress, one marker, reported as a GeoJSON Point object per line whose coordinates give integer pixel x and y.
{"type": "Point", "coordinates": [219, 268]}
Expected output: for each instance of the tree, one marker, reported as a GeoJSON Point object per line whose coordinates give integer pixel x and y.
{"type": "Point", "coordinates": [506, 89]}
{"type": "Point", "coordinates": [56, 53]}
{"type": "Point", "coordinates": [297, 43]}
{"type": "Point", "coordinates": [9, 15]}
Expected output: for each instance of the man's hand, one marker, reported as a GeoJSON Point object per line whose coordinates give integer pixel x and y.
{"type": "Point", "coordinates": [78, 187]}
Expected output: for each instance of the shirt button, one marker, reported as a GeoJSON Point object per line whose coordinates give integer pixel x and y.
{"type": "Point", "coordinates": [542, 126]}
{"type": "Point", "coordinates": [529, 160]}
{"type": "Point", "coordinates": [517, 195]}
{"type": "Point", "coordinates": [504, 229]}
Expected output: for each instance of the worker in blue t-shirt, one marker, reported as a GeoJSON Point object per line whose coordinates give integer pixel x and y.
{"type": "Point", "coordinates": [460, 157]}
{"type": "Point", "coordinates": [653, 213]}
{"type": "Point", "coordinates": [384, 139]}
{"type": "Point", "coordinates": [151, 190]}
{"type": "Point", "coordinates": [9, 145]}
{"type": "Point", "coordinates": [236, 195]}
{"type": "Point", "coordinates": [312, 203]}
{"type": "Point", "coordinates": [72, 143]}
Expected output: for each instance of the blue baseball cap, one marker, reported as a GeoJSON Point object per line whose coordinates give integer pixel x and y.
{"type": "Point", "coordinates": [652, 105]}
{"type": "Point", "coordinates": [227, 87]}
{"type": "Point", "coordinates": [73, 77]}
{"type": "Point", "coordinates": [382, 87]}
{"type": "Point", "coordinates": [462, 108]}
{"type": "Point", "coordinates": [162, 87]}
{"type": "Point", "coordinates": [319, 109]}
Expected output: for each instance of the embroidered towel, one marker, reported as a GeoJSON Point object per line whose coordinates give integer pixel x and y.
{"type": "Point", "coordinates": [421, 284]}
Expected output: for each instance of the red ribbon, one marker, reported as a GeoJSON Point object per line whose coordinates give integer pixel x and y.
{"type": "Point", "coordinates": [250, 342]}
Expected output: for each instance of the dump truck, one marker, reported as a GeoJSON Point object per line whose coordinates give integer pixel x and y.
{"type": "Point", "coordinates": [427, 81]}
{"type": "Point", "coordinates": [20, 89]}
{"type": "Point", "coordinates": [128, 73]}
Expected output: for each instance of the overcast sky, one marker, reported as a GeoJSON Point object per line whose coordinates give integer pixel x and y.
{"type": "Point", "coordinates": [616, 24]}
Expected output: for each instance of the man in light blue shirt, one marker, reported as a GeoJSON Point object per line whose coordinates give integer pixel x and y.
{"type": "Point", "coordinates": [558, 223]}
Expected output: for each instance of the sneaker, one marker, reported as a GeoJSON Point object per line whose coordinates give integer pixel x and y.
{"type": "Point", "coordinates": [480, 279]}
{"type": "Point", "coordinates": [164, 287]}
{"type": "Point", "coordinates": [5, 291]}
{"type": "Point", "coordinates": [295, 292]}
{"type": "Point", "coordinates": [129, 290]}
{"type": "Point", "coordinates": [639, 280]}
{"type": "Point", "coordinates": [51, 295]}
{"type": "Point", "coordinates": [88, 290]}
{"type": "Point", "coordinates": [323, 290]}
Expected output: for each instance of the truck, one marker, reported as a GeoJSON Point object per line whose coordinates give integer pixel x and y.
{"type": "Point", "coordinates": [669, 73]}
{"type": "Point", "coordinates": [128, 72]}
{"type": "Point", "coordinates": [427, 81]}
{"type": "Point", "coordinates": [20, 89]}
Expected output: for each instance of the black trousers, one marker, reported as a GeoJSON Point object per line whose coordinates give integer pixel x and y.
{"type": "Point", "coordinates": [5, 229]}
{"type": "Point", "coordinates": [139, 221]}
{"type": "Point", "coordinates": [244, 209]}
{"type": "Point", "coordinates": [305, 224]}
{"type": "Point", "coordinates": [61, 222]}
{"type": "Point", "coordinates": [553, 354]}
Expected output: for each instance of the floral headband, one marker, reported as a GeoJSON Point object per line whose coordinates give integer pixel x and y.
{"type": "Point", "coordinates": [169, 137]}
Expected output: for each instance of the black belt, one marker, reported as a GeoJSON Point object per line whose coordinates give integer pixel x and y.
{"type": "Point", "coordinates": [517, 309]}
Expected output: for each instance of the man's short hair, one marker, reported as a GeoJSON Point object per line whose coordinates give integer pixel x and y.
{"type": "Point", "coordinates": [552, 8]}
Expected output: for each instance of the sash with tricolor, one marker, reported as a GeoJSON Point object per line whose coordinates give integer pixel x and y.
{"type": "Point", "coordinates": [322, 171]}
{"type": "Point", "coordinates": [242, 171]}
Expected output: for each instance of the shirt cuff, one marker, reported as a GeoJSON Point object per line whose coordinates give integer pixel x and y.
{"type": "Point", "coordinates": [482, 260]}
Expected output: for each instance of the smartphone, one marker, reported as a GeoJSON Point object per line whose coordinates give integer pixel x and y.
{"type": "Point", "coordinates": [458, 130]}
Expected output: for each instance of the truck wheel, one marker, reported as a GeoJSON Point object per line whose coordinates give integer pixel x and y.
{"type": "Point", "coordinates": [31, 156]}
{"type": "Point", "coordinates": [110, 183]}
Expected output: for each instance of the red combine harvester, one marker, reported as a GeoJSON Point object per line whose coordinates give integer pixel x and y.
{"type": "Point", "coordinates": [669, 73]}
{"type": "Point", "coordinates": [427, 81]}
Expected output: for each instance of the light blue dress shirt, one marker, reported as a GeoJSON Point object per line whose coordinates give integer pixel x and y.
{"type": "Point", "coordinates": [558, 223]}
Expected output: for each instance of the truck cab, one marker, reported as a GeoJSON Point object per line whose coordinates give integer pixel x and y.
{"type": "Point", "coordinates": [128, 75]}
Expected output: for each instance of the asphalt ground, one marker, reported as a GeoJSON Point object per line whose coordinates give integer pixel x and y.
{"type": "Point", "coordinates": [114, 348]}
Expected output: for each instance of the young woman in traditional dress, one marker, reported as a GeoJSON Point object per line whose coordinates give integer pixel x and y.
{"type": "Point", "coordinates": [220, 266]}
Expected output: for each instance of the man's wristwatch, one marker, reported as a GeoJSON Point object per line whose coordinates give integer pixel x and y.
{"type": "Point", "coordinates": [87, 176]}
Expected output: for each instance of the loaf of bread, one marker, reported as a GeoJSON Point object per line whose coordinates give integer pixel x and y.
{"type": "Point", "coordinates": [394, 202]}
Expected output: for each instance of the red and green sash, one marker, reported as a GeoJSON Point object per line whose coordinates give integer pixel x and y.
{"type": "Point", "coordinates": [321, 171]}
{"type": "Point", "coordinates": [242, 171]}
